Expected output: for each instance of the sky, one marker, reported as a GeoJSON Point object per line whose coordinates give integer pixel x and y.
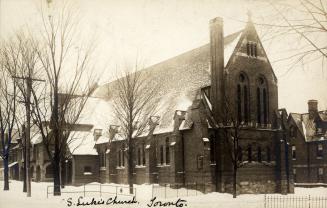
{"type": "Point", "coordinates": [155, 30]}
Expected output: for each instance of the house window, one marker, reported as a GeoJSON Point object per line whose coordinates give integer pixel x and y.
{"type": "Point", "coordinates": [319, 151]}
{"type": "Point", "coordinates": [242, 99]}
{"type": "Point", "coordinates": [167, 151]}
{"type": "Point", "coordinates": [293, 152]}
{"type": "Point", "coordinates": [251, 49]}
{"type": "Point", "coordinates": [212, 150]}
{"type": "Point", "coordinates": [161, 154]}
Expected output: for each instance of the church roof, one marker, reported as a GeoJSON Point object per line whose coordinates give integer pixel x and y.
{"type": "Point", "coordinates": [181, 79]}
{"type": "Point", "coordinates": [307, 126]}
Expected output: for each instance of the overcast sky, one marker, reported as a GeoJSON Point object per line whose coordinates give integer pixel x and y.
{"type": "Point", "coordinates": [155, 30]}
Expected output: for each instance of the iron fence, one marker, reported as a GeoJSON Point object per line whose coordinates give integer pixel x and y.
{"type": "Point", "coordinates": [179, 190]}
{"type": "Point", "coordinates": [91, 189]}
{"type": "Point", "coordinates": [295, 201]}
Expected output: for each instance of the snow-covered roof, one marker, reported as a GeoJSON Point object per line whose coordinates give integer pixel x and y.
{"type": "Point", "coordinates": [36, 138]}
{"type": "Point", "coordinates": [81, 143]}
{"type": "Point", "coordinates": [307, 126]}
{"type": "Point", "coordinates": [102, 140]}
{"type": "Point", "coordinates": [180, 78]}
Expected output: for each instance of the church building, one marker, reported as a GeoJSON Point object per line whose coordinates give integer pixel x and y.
{"type": "Point", "coordinates": [218, 112]}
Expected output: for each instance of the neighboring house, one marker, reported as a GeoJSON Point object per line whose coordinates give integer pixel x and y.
{"type": "Point", "coordinates": [13, 157]}
{"type": "Point", "coordinates": [183, 142]}
{"type": "Point", "coordinates": [308, 132]}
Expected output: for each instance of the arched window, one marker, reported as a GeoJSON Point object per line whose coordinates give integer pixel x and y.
{"type": "Point", "coordinates": [249, 153]}
{"type": "Point", "coordinates": [49, 171]}
{"type": "Point", "coordinates": [243, 99]}
{"type": "Point", "coordinates": [262, 101]}
{"type": "Point", "coordinates": [268, 154]}
{"type": "Point", "coordinates": [240, 154]}
{"type": "Point", "coordinates": [167, 152]}
{"type": "Point", "coordinates": [259, 154]}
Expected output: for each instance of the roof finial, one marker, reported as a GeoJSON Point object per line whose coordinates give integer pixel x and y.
{"type": "Point", "coordinates": [249, 13]}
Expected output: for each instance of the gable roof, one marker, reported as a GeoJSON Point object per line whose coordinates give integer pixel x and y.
{"type": "Point", "coordinates": [307, 126]}
{"type": "Point", "coordinates": [182, 77]}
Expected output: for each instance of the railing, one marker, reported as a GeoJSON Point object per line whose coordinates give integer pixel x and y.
{"type": "Point", "coordinates": [178, 190]}
{"type": "Point", "coordinates": [101, 189]}
{"type": "Point", "coordinates": [295, 202]}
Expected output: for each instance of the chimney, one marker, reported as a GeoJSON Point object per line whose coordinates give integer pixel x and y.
{"type": "Point", "coordinates": [312, 108]}
{"type": "Point", "coordinates": [97, 133]}
{"type": "Point", "coordinates": [217, 67]}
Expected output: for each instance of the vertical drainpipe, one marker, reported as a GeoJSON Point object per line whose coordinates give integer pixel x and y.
{"type": "Point", "coordinates": [183, 160]}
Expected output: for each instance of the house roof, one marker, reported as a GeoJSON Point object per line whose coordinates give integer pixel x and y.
{"type": "Point", "coordinates": [307, 126]}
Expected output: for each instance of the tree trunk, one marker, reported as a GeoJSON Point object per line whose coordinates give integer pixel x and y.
{"type": "Point", "coordinates": [130, 166]}
{"type": "Point", "coordinates": [56, 177]}
{"type": "Point", "coordinates": [234, 180]}
{"type": "Point", "coordinates": [24, 174]}
{"type": "Point", "coordinates": [6, 175]}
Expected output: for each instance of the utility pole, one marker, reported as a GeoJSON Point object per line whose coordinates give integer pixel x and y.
{"type": "Point", "coordinates": [29, 82]}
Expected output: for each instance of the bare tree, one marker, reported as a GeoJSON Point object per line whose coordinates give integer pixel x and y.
{"type": "Point", "coordinates": [230, 130]}
{"type": "Point", "coordinates": [8, 108]}
{"type": "Point", "coordinates": [304, 24]}
{"type": "Point", "coordinates": [134, 103]}
{"type": "Point", "coordinates": [65, 64]}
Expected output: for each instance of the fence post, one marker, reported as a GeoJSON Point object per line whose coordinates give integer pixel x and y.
{"type": "Point", "coordinates": [196, 188]}
{"type": "Point", "coordinates": [84, 190]}
{"type": "Point", "coordinates": [265, 206]}
{"type": "Point", "coordinates": [116, 190]}
{"type": "Point", "coordinates": [186, 190]}
{"type": "Point", "coordinates": [47, 190]}
{"type": "Point", "coordinates": [152, 191]}
{"type": "Point", "coordinates": [100, 191]}
{"type": "Point", "coordinates": [165, 191]}
{"type": "Point", "coordinates": [177, 189]}
{"type": "Point", "coordinates": [309, 201]}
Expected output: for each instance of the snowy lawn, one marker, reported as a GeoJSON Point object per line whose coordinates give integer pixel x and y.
{"type": "Point", "coordinates": [16, 198]}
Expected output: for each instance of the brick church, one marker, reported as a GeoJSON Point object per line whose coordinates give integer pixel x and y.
{"type": "Point", "coordinates": [209, 93]}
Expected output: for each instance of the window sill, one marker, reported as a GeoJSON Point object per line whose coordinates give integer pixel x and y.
{"type": "Point", "coordinates": [163, 165]}
{"type": "Point", "coordinates": [120, 167]}
{"type": "Point", "coordinates": [319, 158]}
{"type": "Point", "coordinates": [212, 164]}
{"type": "Point", "coordinates": [88, 173]}
{"type": "Point", "coordinates": [140, 166]}
{"type": "Point", "coordinates": [103, 168]}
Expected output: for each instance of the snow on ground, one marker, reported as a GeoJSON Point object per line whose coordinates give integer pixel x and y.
{"type": "Point", "coordinates": [16, 198]}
